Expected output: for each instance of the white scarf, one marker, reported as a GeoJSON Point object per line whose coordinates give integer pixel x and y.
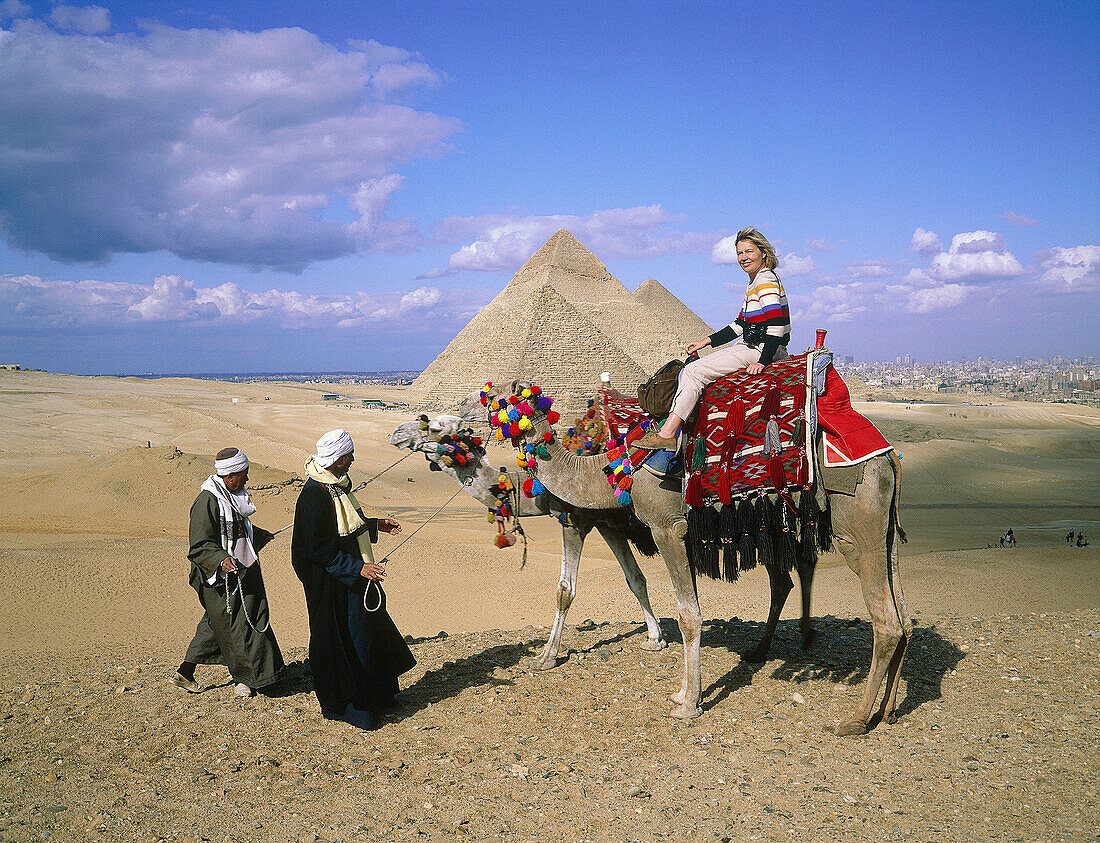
{"type": "Point", "coordinates": [230, 503]}
{"type": "Point", "coordinates": [349, 515]}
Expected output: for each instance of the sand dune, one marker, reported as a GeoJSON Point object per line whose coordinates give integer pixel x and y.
{"type": "Point", "coordinates": [100, 474]}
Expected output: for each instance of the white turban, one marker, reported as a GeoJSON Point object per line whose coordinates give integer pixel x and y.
{"type": "Point", "coordinates": [231, 465]}
{"type": "Point", "coordinates": [332, 446]}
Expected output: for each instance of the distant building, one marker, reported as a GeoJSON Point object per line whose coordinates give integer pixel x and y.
{"type": "Point", "coordinates": [11, 367]}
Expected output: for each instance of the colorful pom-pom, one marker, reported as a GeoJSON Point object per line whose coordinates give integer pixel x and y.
{"type": "Point", "coordinates": [525, 423]}
{"type": "Point", "coordinates": [528, 484]}
{"type": "Point", "coordinates": [526, 393]}
{"type": "Point", "coordinates": [626, 483]}
{"type": "Point", "coordinates": [506, 429]}
{"type": "Point", "coordinates": [548, 436]}
{"type": "Point", "coordinates": [537, 488]}
{"type": "Point", "coordinates": [553, 416]}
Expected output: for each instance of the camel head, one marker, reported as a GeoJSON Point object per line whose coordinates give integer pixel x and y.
{"type": "Point", "coordinates": [445, 440]}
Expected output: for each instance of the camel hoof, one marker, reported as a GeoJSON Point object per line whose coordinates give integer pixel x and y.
{"type": "Point", "coordinates": [809, 639]}
{"type": "Point", "coordinates": [653, 645]}
{"type": "Point", "coordinates": [685, 712]}
{"type": "Point", "coordinates": [677, 698]}
{"type": "Point", "coordinates": [851, 727]}
{"type": "Point", "coordinates": [892, 717]}
{"type": "Point", "coordinates": [544, 663]}
{"type": "Point", "coordinates": [759, 654]}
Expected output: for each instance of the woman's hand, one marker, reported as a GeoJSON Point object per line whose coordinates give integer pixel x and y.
{"type": "Point", "coordinates": [373, 571]}
{"type": "Point", "coordinates": [388, 525]}
{"type": "Point", "coordinates": [754, 368]}
{"type": "Point", "coordinates": [694, 347]}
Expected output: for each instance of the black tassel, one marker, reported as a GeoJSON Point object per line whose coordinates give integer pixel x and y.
{"type": "Point", "coordinates": [695, 536]}
{"type": "Point", "coordinates": [746, 517]}
{"type": "Point", "coordinates": [765, 548]}
{"type": "Point", "coordinates": [807, 528]}
{"type": "Point", "coordinates": [711, 543]}
{"type": "Point", "coordinates": [788, 547]}
{"type": "Point", "coordinates": [727, 528]}
{"type": "Point", "coordinates": [825, 528]}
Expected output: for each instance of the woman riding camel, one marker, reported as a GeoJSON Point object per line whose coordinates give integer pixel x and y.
{"type": "Point", "coordinates": [759, 333]}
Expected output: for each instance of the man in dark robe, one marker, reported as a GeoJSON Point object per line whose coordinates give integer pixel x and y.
{"type": "Point", "coordinates": [355, 651]}
{"type": "Point", "coordinates": [235, 629]}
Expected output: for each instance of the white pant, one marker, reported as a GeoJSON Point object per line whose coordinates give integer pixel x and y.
{"type": "Point", "coordinates": [695, 376]}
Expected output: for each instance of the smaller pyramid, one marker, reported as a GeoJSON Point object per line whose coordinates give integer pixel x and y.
{"type": "Point", "coordinates": [679, 318]}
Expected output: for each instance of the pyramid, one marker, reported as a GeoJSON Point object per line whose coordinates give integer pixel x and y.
{"type": "Point", "coordinates": [561, 321]}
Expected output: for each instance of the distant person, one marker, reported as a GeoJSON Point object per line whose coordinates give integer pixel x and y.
{"type": "Point", "coordinates": [759, 335]}
{"type": "Point", "coordinates": [235, 629]}
{"type": "Point", "coordinates": [1069, 537]}
{"type": "Point", "coordinates": [355, 650]}
{"type": "Point", "coordinates": [1082, 541]}
{"type": "Point", "coordinates": [1002, 542]}
{"type": "Point", "coordinates": [1010, 539]}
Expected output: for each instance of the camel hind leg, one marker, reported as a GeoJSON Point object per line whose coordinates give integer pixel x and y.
{"type": "Point", "coordinates": [635, 580]}
{"type": "Point", "coordinates": [867, 532]}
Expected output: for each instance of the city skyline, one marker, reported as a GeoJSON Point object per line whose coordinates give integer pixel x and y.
{"type": "Point", "coordinates": [306, 189]}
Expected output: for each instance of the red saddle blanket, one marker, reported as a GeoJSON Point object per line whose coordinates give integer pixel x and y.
{"type": "Point", "coordinates": [756, 432]}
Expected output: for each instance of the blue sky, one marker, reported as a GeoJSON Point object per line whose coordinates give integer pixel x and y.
{"type": "Point", "coordinates": [288, 186]}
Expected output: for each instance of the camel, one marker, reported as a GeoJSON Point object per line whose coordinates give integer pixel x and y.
{"type": "Point", "coordinates": [866, 530]}
{"type": "Point", "coordinates": [617, 526]}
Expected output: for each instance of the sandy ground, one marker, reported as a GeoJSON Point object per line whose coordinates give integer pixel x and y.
{"type": "Point", "coordinates": [999, 729]}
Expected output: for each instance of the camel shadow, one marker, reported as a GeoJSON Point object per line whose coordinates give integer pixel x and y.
{"type": "Point", "coordinates": [841, 653]}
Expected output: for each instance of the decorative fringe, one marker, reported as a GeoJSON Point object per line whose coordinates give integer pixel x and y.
{"type": "Point", "coordinates": [788, 546]}
{"type": "Point", "coordinates": [711, 543]}
{"type": "Point", "coordinates": [825, 529]}
{"type": "Point", "coordinates": [728, 530]}
{"type": "Point", "coordinates": [698, 453]}
{"type": "Point", "coordinates": [808, 514]}
{"type": "Point", "coordinates": [695, 535]}
{"type": "Point", "coordinates": [770, 405]}
{"type": "Point", "coordinates": [746, 517]}
{"type": "Point", "coordinates": [765, 546]}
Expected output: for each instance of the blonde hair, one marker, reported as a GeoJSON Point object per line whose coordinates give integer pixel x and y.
{"type": "Point", "coordinates": [753, 236]}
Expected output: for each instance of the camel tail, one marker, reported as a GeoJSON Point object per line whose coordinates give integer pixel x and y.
{"type": "Point", "coordinates": [895, 462]}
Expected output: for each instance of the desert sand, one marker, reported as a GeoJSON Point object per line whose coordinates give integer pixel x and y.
{"type": "Point", "coordinates": [997, 739]}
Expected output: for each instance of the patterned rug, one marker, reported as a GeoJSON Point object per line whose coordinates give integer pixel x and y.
{"type": "Point", "coordinates": [752, 433]}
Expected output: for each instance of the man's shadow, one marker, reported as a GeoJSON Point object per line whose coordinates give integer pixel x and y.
{"type": "Point", "coordinates": [841, 653]}
{"type": "Point", "coordinates": [448, 680]}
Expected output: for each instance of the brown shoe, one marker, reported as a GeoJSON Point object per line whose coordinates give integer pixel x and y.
{"type": "Point", "coordinates": [189, 685]}
{"type": "Point", "coordinates": [653, 441]}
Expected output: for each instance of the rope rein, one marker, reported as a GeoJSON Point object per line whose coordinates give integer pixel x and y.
{"type": "Point", "coordinates": [244, 608]}
{"type": "Point", "coordinates": [360, 486]}
{"type": "Point", "coordinates": [386, 558]}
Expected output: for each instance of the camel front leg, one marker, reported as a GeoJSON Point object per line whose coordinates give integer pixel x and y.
{"type": "Point", "coordinates": [572, 542]}
{"type": "Point", "coordinates": [780, 584]}
{"type": "Point", "coordinates": [806, 569]}
{"type": "Point", "coordinates": [893, 676]}
{"type": "Point", "coordinates": [635, 580]}
{"type": "Point", "coordinates": [690, 619]}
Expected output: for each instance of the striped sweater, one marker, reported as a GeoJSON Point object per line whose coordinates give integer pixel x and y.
{"type": "Point", "coordinates": [764, 320]}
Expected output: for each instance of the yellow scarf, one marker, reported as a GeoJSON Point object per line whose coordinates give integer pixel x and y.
{"type": "Point", "coordinates": [349, 515]}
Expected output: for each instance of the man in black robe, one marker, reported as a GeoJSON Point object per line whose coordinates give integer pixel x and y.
{"type": "Point", "coordinates": [235, 629]}
{"type": "Point", "coordinates": [355, 651]}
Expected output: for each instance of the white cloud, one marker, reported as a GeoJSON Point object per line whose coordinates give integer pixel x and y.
{"type": "Point", "coordinates": [869, 269]}
{"type": "Point", "coordinates": [53, 304]}
{"type": "Point", "coordinates": [932, 299]}
{"type": "Point", "coordinates": [819, 244]}
{"type": "Point", "coordinates": [213, 145]}
{"type": "Point", "coordinates": [791, 265]}
{"type": "Point", "coordinates": [1076, 269]}
{"type": "Point", "coordinates": [1013, 218]}
{"type": "Point", "coordinates": [87, 20]}
{"type": "Point", "coordinates": [925, 243]}
{"type": "Point", "coordinates": [13, 9]}
{"type": "Point", "coordinates": [505, 241]}
{"type": "Point", "coordinates": [976, 256]}
{"type": "Point", "coordinates": [724, 252]}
